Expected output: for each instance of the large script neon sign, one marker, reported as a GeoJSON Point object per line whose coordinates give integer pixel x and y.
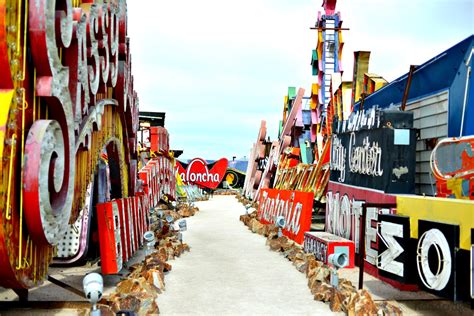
{"type": "Point", "coordinates": [295, 206]}
{"type": "Point", "coordinates": [198, 172]}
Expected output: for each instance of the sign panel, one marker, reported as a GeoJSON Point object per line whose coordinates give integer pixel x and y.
{"type": "Point", "coordinates": [295, 206]}
{"type": "Point", "coordinates": [343, 217]}
{"type": "Point", "coordinates": [472, 264]}
{"type": "Point", "coordinates": [124, 231]}
{"type": "Point", "coordinates": [436, 257]}
{"type": "Point", "coordinates": [198, 172]}
{"type": "Point", "coordinates": [428, 243]}
{"type": "Point", "coordinates": [396, 262]}
{"type": "Point", "coordinates": [108, 220]}
{"type": "Point", "coordinates": [382, 159]}
{"type": "Point", "coordinates": [323, 244]}
{"type": "Point", "coordinates": [453, 211]}
{"type": "Point", "coordinates": [234, 178]}
{"type": "Point", "coordinates": [454, 158]}
{"type": "Point", "coordinates": [344, 209]}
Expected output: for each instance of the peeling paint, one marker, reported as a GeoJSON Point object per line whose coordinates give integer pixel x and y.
{"type": "Point", "coordinates": [398, 172]}
{"type": "Point", "coordinates": [449, 159]}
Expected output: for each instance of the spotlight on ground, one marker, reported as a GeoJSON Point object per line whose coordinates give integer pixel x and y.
{"type": "Point", "coordinates": [93, 285]}
{"type": "Point", "coordinates": [280, 223]}
{"type": "Point", "coordinates": [338, 260]}
{"type": "Point", "coordinates": [149, 237]}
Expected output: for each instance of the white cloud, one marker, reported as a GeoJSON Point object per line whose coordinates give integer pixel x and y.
{"type": "Point", "coordinates": [219, 67]}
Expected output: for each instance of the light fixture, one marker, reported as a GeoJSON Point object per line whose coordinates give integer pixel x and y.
{"type": "Point", "coordinates": [338, 260]}
{"type": "Point", "coordinates": [169, 218]}
{"type": "Point", "coordinates": [280, 222]}
{"type": "Point", "coordinates": [149, 237]}
{"type": "Point", "coordinates": [93, 285]}
{"type": "Point", "coordinates": [182, 225]}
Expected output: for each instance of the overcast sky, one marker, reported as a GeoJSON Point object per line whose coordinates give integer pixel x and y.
{"type": "Point", "coordinates": [217, 68]}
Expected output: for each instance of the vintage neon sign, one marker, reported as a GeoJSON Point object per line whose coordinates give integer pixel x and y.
{"type": "Point", "coordinates": [323, 244]}
{"type": "Point", "coordinates": [295, 206]}
{"type": "Point", "coordinates": [365, 159]}
{"type": "Point", "coordinates": [375, 149]}
{"type": "Point", "coordinates": [198, 172]}
{"type": "Point", "coordinates": [412, 248]}
{"type": "Point", "coordinates": [343, 217]}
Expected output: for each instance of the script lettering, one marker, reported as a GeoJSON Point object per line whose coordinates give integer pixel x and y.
{"type": "Point", "coordinates": [274, 207]}
{"type": "Point", "coordinates": [338, 158]}
{"type": "Point", "coordinates": [365, 159]}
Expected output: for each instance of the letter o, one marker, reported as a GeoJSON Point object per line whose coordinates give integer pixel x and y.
{"type": "Point", "coordinates": [434, 238]}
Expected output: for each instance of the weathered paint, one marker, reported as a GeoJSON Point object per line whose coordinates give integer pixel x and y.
{"type": "Point", "coordinates": [450, 211]}
{"type": "Point", "coordinates": [86, 111]}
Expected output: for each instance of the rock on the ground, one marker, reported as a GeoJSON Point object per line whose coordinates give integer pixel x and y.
{"type": "Point", "coordinates": [361, 303]}
{"type": "Point", "coordinates": [322, 292]}
{"type": "Point", "coordinates": [185, 210]}
{"type": "Point", "coordinates": [344, 299]}
{"type": "Point", "coordinates": [389, 309]}
{"type": "Point", "coordinates": [138, 292]}
{"type": "Point", "coordinates": [335, 302]}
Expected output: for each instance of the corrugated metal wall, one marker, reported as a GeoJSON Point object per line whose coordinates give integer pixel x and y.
{"type": "Point", "coordinates": [430, 115]}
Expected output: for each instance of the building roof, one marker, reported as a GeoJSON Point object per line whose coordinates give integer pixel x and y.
{"type": "Point", "coordinates": [154, 118]}
{"type": "Point", "coordinates": [444, 71]}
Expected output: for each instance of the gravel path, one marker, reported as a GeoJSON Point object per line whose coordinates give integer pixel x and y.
{"type": "Point", "coordinates": [231, 271]}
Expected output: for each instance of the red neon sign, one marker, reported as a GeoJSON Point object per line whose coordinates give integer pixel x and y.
{"type": "Point", "coordinates": [295, 206]}
{"type": "Point", "coordinates": [197, 172]}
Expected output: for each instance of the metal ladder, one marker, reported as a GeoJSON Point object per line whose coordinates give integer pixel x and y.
{"type": "Point", "coordinates": [329, 58]}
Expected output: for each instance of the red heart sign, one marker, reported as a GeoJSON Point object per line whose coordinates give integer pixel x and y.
{"type": "Point", "coordinates": [198, 172]}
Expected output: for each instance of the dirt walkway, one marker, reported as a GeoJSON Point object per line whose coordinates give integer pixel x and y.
{"type": "Point", "coordinates": [231, 271]}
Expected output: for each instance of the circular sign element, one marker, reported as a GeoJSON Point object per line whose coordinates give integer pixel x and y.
{"type": "Point", "coordinates": [434, 238]}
